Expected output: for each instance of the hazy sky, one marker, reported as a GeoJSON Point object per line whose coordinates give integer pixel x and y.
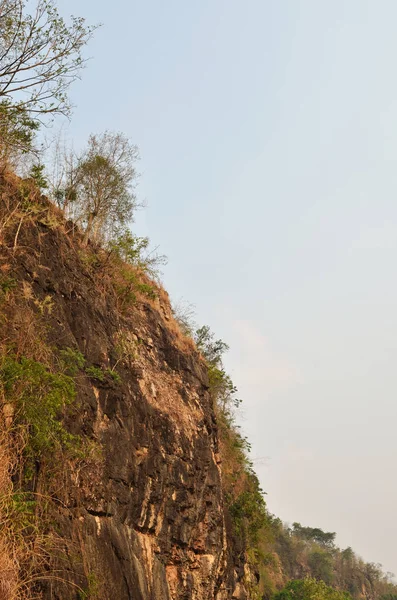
{"type": "Point", "coordinates": [268, 134]}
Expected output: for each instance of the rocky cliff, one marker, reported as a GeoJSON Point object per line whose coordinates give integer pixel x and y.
{"type": "Point", "coordinates": [140, 514]}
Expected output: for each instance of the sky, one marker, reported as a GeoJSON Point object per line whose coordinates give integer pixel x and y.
{"type": "Point", "coordinates": [268, 139]}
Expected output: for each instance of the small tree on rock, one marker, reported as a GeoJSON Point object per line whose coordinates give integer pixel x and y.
{"type": "Point", "coordinates": [104, 179]}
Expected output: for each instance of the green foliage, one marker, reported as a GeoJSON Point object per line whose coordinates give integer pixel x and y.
{"type": "Point", "coordinates": [347, 554]}
{"type": "Point", "coordinates": [304, 550]}
{"type": "Point", "coordinates": [224, 392]}
{"type": "Point", "coordinates": [221, 386]}
{"type": "Point", "coordinates": [266, 585]}
{"type": "Point", "coordinates": [251, 522]}
{"type": "Point", "coordinates": [37, 174]}
{"type": "Point", "coordinates": [129, 247]}
{"type": "Point", "coordinates": [39, 397]}
{"type": "Point", "coordinates": [249, 514]}
{"type": "Point", "coordinates": [95, 373]}
{"type": "Point", "coordinates": [89, 259]}
{"type": "Point", "coordinates": [40, 57]}
{"type": "Point", "coordinates": [113, 375]}
{"type": "Point", "coordinates": [131, 264]}
{"type": "Point", "coordinates": [102, 374]}
{"type": "Point", "coordinates": [129, 285]}
{"type": "Point", "coordinates": [64, 196]}
{"type": "Point", "coordinates": [310, 589]}
{"type": "Point", "coordinates": [314, 534]}
{"type": "Point", "coordinates": [321, 565]}
{"type": "Point", "coordinates": [71, 360]}
{"type": "Point", "coordinates": [22, 506]}
{"type": "Point", "coordinates": [17, 128]}
{"type": "Point", "coordinates": [212, 349]}
{"type": "Point", "coordinates": [103, 182]}
{"type": "Point", "coordinates": [7, 284]}
{"type": "Point", "coordinates": [133, 250]}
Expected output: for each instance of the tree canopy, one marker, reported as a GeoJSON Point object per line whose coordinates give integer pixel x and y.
{"type": "Point", "coordinates": [97, 187]}
{"type": "Point", "coordinates": [40, 56]}
{"type": "Point", "coordinates": [315, 534]}
{"type": "Point", "coordinates": [310, 589]}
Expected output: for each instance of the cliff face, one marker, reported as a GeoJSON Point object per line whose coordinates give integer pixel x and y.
{"type": "Point", "coordinates": [142, 518]}
{"type": "Point", "coordinates": [118, 478]}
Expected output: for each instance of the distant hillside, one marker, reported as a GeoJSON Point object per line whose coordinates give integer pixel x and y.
{"type": "Point", "coordinates": [302, 552]}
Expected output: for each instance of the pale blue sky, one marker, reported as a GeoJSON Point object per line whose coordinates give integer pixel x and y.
{"type": "Point", "coordinates": [268, 134]}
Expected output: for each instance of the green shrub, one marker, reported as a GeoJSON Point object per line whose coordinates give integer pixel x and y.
{"type": "Point", "coordinates": [314, 534]}
{"type": "Point", "coordinates": [244, 499]}
{"type": "Point", "coordinates": [39, 397]}
{"type": "Point", "coordinates": [95, 373]}
{"type": "Point", "coordinates": [113, 375]}
{"type": "Point", "coordinates": [7, 284]}
{"type": "Point", "coordinates": [134, 251]}
{"type": "Point", "coordinates": [17, 128]}
{"type": "Point", "coordinates": [72, 361]}
{"type": "Point", "coordinates": [310, 589]}
{"type": "Point", "coordinates": [249, 515]}
{"type": "Point", "coordinates": [129, 285]}
{"type": "Point", "coordinates": [321, 565]}
{"type": "Point", "coordinates": [102, 374]}
{"type": "Point", "coordinates": [37, 173]}
{"type": "Point", "coordinates": [22, 506]}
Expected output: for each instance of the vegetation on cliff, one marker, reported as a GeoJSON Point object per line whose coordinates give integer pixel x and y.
{"type": "Point", "coordinates": [304, 559]}
{"type": "Point", "coordinates": [43, 425]}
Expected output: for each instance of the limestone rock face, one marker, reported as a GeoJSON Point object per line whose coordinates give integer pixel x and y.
{"type": "Point", "coordinates": [143, 518]}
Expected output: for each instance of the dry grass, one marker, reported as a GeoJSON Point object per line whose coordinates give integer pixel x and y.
{"type": "Point", "coordinates": [5, 467]}
{"type": "Point", "coordinates": [22, 204]}
{"type": "Point", "coordinates": [12, 219]}
{"type": "Point", "coordinates": [162, 304]}
{"type": "Point", "coordinates": [25, 552]}
{"type": "Point", "coordinates": [8, 562]}
{"type": "Point", "coordinates": [8, 573]}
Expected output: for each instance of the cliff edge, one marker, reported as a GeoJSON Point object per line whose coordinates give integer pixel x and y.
{"type": "Point", "coordinates": [137, 512]}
